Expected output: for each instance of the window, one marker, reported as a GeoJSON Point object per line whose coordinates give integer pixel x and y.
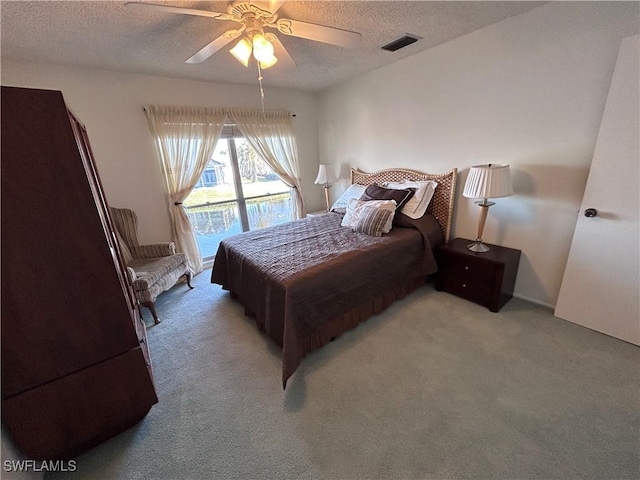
{"type": "Point", "coordinates": [237, 192]}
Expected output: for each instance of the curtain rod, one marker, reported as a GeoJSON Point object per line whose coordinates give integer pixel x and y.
{"type": "Point", "coordinates": [293, 114]}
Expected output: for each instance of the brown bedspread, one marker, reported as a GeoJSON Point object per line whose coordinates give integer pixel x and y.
{"type": "Point", "coordinates": [307, 281]}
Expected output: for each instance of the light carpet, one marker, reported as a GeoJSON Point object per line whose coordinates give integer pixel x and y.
{"type": "Point", "coordinates": [435, 387]}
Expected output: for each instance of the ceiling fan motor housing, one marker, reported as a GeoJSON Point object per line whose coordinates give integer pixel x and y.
{"type": "Point", "coordinates": [246, 10]}
{"type": "Point", "coordinates": [253, 25]}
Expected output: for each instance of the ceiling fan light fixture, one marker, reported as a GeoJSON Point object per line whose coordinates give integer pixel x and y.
{"type": "Point", "coordinates": [270, 63]}
{"type": "Point", "coordinates": [262, 49]}
{"type": "Point", "coordinates": [242, 51]}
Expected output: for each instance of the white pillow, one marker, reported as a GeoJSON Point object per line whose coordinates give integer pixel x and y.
{"type": "Point", "coordinates": [354, 191]}
{"type": "Point", "coordinates": [355, 206]}
{"type": "Point", "coordinates": [417, 205]}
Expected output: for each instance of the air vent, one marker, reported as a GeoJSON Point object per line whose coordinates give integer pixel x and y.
{"type": "Point", "coordinates": [401, 42]}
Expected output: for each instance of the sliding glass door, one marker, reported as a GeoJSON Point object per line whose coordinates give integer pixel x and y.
{"type": "Point", "coordinates": [237, 192]}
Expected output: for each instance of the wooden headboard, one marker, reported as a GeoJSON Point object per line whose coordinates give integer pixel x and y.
{"type": "Point", "coordinates": [441, 205]}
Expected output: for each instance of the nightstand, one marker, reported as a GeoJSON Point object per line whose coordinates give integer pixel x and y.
{"type": "Point", "coordinates": [485, 278]}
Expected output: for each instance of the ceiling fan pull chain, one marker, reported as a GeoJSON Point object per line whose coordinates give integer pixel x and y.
{"type": "Point", "coordinates": [261, 89]}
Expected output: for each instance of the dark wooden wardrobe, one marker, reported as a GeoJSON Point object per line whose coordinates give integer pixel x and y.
{"type": "Point", "coordinates": [75, 363]}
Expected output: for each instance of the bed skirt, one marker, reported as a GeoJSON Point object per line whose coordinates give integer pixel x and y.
{"type": "Point", "coordinates": [337, 326]}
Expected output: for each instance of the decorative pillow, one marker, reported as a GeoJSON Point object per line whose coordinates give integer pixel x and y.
{"type": "Point", "coordinates": [354, 191]}
{"type": "Point", "coordinates": [418, 203]}
{"type": "Point", "coordinates": [355, 207]}
{"type": "Point", "coordinates": [376, 192]}
{"type": "Point", "coordinates": [372, 220]}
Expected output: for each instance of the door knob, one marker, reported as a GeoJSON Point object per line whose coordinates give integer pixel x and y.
{"type": "Point", "coordinates": [590, 212]}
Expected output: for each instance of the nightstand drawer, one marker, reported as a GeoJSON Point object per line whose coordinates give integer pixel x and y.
{"type": "Point", "coordinates": [474, 281]}
{"type": "Point", "coordinates": [471, 272]}
{"type": "Point", "coordinates": [484, 278]}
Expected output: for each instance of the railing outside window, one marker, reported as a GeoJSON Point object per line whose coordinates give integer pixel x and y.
{"type": "Point", "coordinates": [236, 192]}
{"type": "Point", "coordinates": [213, 221]}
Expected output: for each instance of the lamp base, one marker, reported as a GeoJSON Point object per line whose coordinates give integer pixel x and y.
{"type": "Point", "coordinates": [326, 195]}
{"type": "Point", "coordinates": [478, 246]}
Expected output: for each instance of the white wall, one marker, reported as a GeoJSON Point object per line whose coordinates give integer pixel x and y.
{"type": "Point", "coordinates": [110, 106]}
{"type": "Point", "coordinates": [528, 91]}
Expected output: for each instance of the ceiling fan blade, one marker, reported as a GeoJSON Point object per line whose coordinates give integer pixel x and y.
{"type": "Point", "coordinates": [180, 10]}
{"type": "Point", "coordinates": [285, 62]}
{"type": "Point", "coordinates": [212, 47]}
{"type": "Point", "coordinates": [319, 33]}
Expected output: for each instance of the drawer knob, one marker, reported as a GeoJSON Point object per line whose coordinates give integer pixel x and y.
{"type": "Point", "coordinates": [464, 285]}
{"type": "Point", "coordinates": [466, 268]}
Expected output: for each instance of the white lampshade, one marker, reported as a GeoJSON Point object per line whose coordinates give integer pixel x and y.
{"type": "Point", "coordinates": [325, 175]}
{"type": "Point", "coordinates": [270, 63]}
{"type": "Point", "coordinates": [242, 51]}
{"type": "Point", "coordinates": [262, 48]}
{"type": "Point", "coordinates": [488, 181]}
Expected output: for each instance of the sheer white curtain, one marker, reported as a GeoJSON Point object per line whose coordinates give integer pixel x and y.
{"type": "Point", "coordinates": [185, 139]}
{"type": "Point", "coordinates": [270, 134]}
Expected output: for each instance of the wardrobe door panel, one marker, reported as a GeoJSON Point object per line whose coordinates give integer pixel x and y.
{"type": "Point", "coordinates": [84, 147]}
{"type": "Point", "coordinates": [63, 306]}
{"type": "Point", "coordinates": [80, 410]}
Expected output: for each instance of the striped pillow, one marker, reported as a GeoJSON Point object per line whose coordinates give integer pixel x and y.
{"type": "Point", "coordinates": [372, 221]}
{"type": "Point", "coordinates": [355, 206]}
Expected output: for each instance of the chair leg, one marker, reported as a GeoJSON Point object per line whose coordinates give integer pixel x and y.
{"type": "Point", "coordinates": [152, 308]}
{"type": "Point", "coordinates": [188, 277]}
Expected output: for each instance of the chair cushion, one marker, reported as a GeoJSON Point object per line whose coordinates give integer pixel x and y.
{"type": "Point", "coordinates": [151, 270]}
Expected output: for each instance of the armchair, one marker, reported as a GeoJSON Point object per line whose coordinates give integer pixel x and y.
{"type": "Point", "coordinates": [152, 269]}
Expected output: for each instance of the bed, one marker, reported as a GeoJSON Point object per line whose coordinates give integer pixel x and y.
{"type": "Point", "coordinates": [308, 281]}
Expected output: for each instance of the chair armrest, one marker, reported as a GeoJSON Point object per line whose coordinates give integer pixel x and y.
{"type": "Point", "coordinates": [131, 273]}
{"type": "Point", "coordinates": [156, 250]}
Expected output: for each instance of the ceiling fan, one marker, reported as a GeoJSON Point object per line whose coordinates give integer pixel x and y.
{"type": "Point", "coordinates": [254, 16]}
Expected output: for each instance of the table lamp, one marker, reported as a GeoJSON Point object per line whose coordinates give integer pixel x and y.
{"type": "Point", "coordinates": [326, 178]}
{"type": "Point", "coordinates": [486, 181]}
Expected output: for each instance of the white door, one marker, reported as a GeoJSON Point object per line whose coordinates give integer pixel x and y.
{"type": "Point", "coordinates": [601, 289]}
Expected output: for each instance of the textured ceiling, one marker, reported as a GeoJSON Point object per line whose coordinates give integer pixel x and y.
{"type": "Point", "coordinates": [108, 35]}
